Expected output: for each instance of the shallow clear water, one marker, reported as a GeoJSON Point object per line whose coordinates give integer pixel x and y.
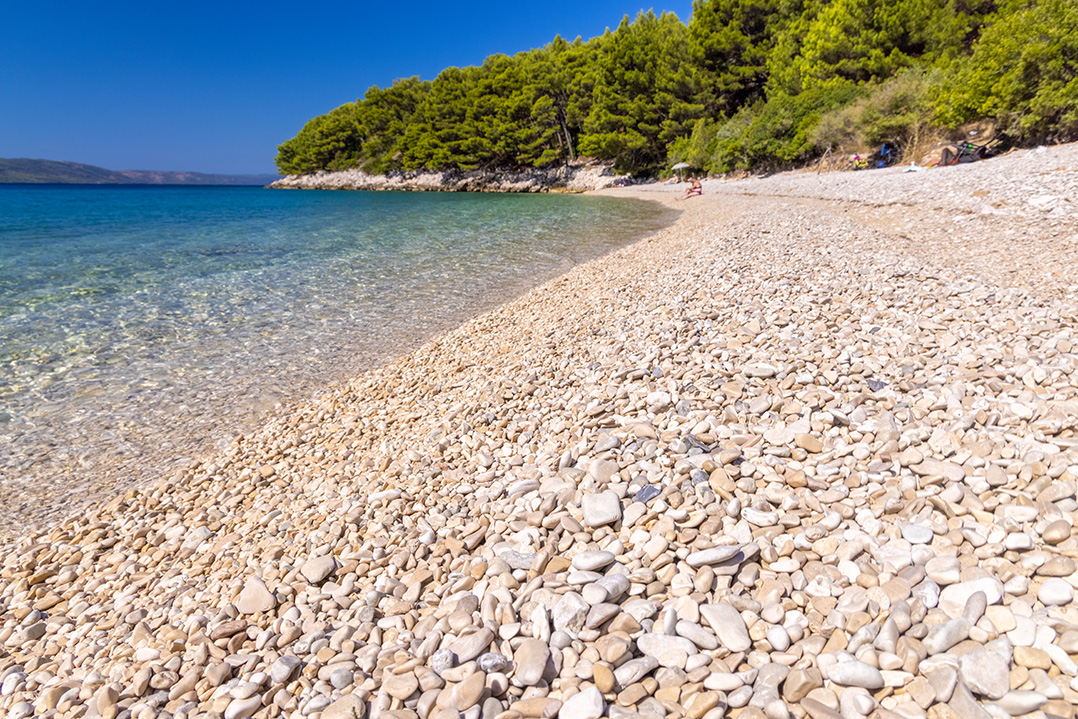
{"type": "Point", "coordinates": [140, 326]}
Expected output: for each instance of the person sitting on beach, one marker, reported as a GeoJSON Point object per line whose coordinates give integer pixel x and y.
{"type": "Point", "coordinates": [694, 188]}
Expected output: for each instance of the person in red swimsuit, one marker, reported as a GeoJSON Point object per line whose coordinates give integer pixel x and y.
{"type": "Point", "coordinates": [694, 188]}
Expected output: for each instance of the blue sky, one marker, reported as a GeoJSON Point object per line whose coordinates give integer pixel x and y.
{"type": "Point", "coordinates": [216, 86]}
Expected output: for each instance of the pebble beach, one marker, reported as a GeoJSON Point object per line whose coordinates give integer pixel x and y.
{"type": "Point", "coordinates": [811, 451]}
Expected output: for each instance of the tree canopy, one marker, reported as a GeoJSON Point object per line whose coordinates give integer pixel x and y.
{"type": "Point", "coordinates": [645, 93]}
{"type": "Point", "coordinates": [744, 84]}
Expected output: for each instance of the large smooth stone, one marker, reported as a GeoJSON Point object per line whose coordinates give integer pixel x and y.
{"type": "Point", "coordinates": [1019, 702]}
{"type": "Point", "coordinates": [696, 634]}
{"type": "Point", "coordinates": [255, 597]}
{"type": "Point", "coordinates": [953, 598]}
{"type": "Point", "coordinates": [634, 670]}
{"type": "Point", "coordinates": [944, 571]}
{"type": "Point", "coordinates": [714, 555]}
{"type": "Point", "coordinates": [917, 534]}
{"type": "Point", "coordinates": [728, 626]}
{"type": "Point", "coordinates": [601, 509]}
{"type": "Point", "coordinates": [472, 645]}
{"type": "Point", "coordinates": [349, 706]}
{"type": "Point", "coordinates": [986, 673]}
{"type": "Point", "coordinates": [943, 636]}
{"type": "Point", "coordinates": [668, 650]}
{"type": "Point", "coordinates": [1055, 593]}
{"type": "Point", "coordinates": [531, 659]}
{"type": "Point", "coordinates": [282, 670]}
{"type": "Point", "coordinates": [316, 569]}
{"type": "Point", "coordinates": [587, 704]}
{"type": "Point", "coordinates": [854, 673]}
{"type": "Point", "coordinates": [592, 560]}
{"type": "Point", "coordinates": [602, 470]}
{"type": "Point", "coordinates": [401, 686]}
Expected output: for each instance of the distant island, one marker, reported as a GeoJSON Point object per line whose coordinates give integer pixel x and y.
{"type": "Point", "coordinates": [25, 170]}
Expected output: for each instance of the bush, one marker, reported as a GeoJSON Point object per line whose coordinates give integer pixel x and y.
{"type": "Point", "coordinates": [779, 132]}
{"type": "Point", "coordinates": [697, 149]}
{"type": "Point", "coordinates": [898, 110]}
{"type": "Point", "coordinates": [727, 146]}
{"type": "Point", "coordinates": [840, 130]}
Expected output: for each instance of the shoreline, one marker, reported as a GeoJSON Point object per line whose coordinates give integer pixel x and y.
{"type": "Point", "coordinates": [782, 458]}
{"type": "Point", "coordinates": [575, 178]}
{"type": "Point", "coordinates": [200, 418]}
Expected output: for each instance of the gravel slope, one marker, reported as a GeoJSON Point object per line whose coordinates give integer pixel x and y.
{"type": "Point", "coordinates": [812, 451]}
{"type": "Point", "coordinates": [1040, 183]}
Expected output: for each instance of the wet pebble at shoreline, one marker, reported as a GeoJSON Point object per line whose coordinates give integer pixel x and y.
{"type": "Point", "coordinates": [760, 465]}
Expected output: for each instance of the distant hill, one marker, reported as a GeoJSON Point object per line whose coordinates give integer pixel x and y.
{"type": "Point", "coordinates": [49, 171]}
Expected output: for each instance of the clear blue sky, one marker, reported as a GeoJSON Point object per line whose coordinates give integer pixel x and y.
{"type": "Point", "coordinates": [216, 86]}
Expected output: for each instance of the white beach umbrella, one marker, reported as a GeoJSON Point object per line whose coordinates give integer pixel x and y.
{"type": "Point", "coordinates": [681, 166]}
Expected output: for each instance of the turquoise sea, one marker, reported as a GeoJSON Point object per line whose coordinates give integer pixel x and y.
{"type": "Point", "coordinates": [141, 326]}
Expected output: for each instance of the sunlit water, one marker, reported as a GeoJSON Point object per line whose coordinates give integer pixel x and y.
{"type": "Point", "coordinates": [141, 326]}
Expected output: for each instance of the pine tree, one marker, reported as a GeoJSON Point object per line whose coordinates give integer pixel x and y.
{"type": "Point", "coordinates": [382, 118]}
{"type": "Point", "coordinates": [646, 94]}
{"type": "Point", "coordinates": [729, 40]}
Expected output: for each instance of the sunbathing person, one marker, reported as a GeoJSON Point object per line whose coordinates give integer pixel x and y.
{"type": "Point", "coordinates": [694, 188]}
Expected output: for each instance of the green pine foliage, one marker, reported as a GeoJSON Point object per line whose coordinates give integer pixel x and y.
{"type": "Point", "coordinates": [744, 85]}
{"type": "Point", "coordinates": [382, 118]}
{"type": "Point", "coordinates": [645, 95]}
{"type": "Point", "coordinates": [863, 41]}
{"type": "Point", "coordinates": [1023, 73]}
{"type": "Point", "coordinates": [327, 142]}
{"type": "Point", "coordinates": [729, 43]}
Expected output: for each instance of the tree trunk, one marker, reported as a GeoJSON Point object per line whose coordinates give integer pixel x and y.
{"type": "Point", "coordinates": [568, 137]}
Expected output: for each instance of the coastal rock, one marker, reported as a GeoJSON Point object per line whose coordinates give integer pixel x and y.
{"type": "Point", "coordinates": [715, 555]}
{"type": "Point", "coordinates": [573, 178]}
{"type": "Point", "coordinates": [944, 570]}
{"type": "Point", "coordinates": [1056, 532]}
{"type": "Point", "coordinates": [1019, 702]}
{"type": "Point", "coordinates": [953, 598]}
{"type": "Point", "coordinates": [800, 682]}
{"type": "Point", "coordinates": [349, 706]}
{"type": "Point", "coordinates": [943, 636]}
{"type": "Point", "coordinates": [916, 534]}
{"type": "Point", "coordinates": [492, 662]}
{"type": "Point", "coordinates": [696, 634]}
{"type": "Point", "coordinates": [592, 560]}
{"type": "Point", "coordinates": [647, 493]}
{"type": "Point", "coordinates": [284, 668]}
{"type": "Point", "coordinates": [401, 686]}
{"type": "Point", "coordinates": [1055, 593]}
{"type": "Point", "coordinates": [634, 670]}
{"type": "Point", "coordinates": [472, 645]}
{"type": "Point", "coordinates": [986, 673]}
{"type": "Point", "coordinates": [570, 614]}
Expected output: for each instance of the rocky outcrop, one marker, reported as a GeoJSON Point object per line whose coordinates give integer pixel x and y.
{"type": "Point", "coordinates": [580, 178]}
